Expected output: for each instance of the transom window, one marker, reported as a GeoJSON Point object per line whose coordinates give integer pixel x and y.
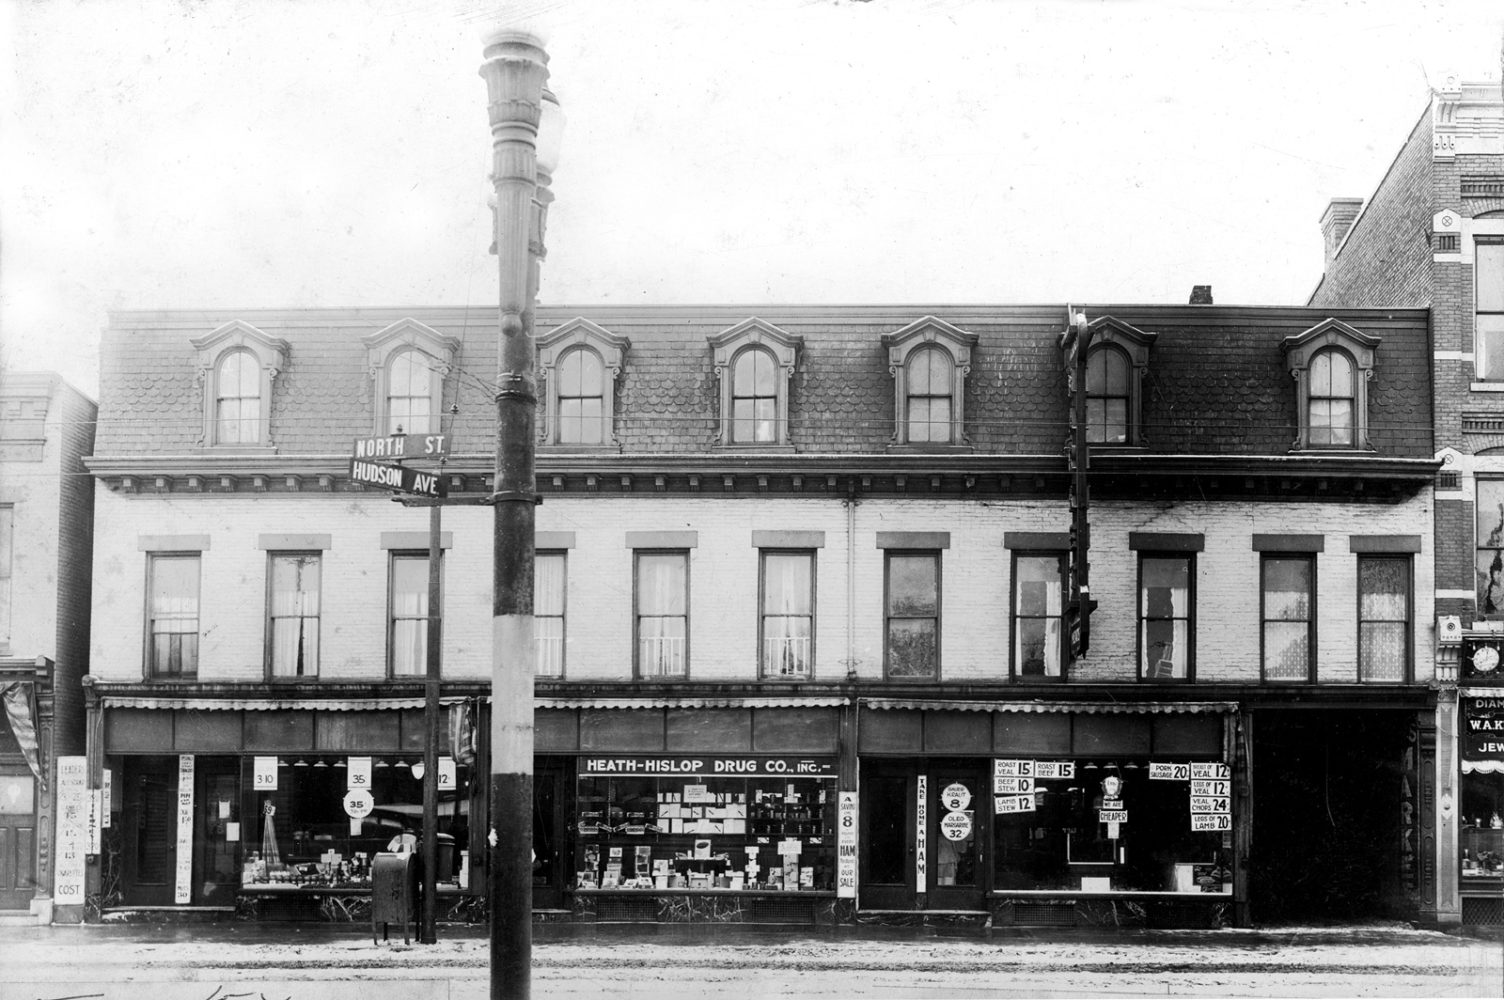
{"type": "Point", "coordinates": [912, 649]}
{"type": "Point", "coordinates": [294, 615]}
{"type": "Point", "coordinates": [787, 620]}
{"type": "Point", "coordinates": [1384, 618]}
{"type": "Point", "coordinates": [582, 397]}
{"type": "Point", "coordinates": [1109, 394]}
{"type": "Point", "coordinates": [172, 615]}
{"type": "Point", "coordinates": [1488, 315]}
{"type": "Point", "coordinates": [1331, 400]}
{"type": "Point", "coordinates": [1038, 614]}
{"type": "Point", "coordinates": [754, 397]}
{"type": "Point", "coordinates": [1287, 600]}
{"type": "Point", "coordinates": [237, 399]}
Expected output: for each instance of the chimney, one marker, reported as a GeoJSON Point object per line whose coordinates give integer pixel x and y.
{"type": "Point", "coordinates": [1335, 222]}
{"type": "Point", "coordinates": [1201, 295]}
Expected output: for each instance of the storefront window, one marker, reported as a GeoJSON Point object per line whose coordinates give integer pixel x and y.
{"type": "Point", "coordinates": [1481, 809]}
{"type": "Point", "coordinates": [1134, 825]}
{"type": "Point", "coordinates": [302, 831]}
{"type": "Point", "coordinates": [680, 823]}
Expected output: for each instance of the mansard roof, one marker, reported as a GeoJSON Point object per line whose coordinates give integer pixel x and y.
{"type": "Point", "coordinates": [1216, 382]}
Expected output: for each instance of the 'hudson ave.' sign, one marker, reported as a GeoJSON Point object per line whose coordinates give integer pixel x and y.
{"type": "Point", "coordinates": [398, 477]}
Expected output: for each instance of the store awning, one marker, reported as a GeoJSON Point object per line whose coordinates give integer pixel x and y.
{"type": "Point", "coordinates": [1083, 707]}
{"type": "Point", "coordinates": [791, 701]}
{"type": "Point", "coordinates": [265, 704]}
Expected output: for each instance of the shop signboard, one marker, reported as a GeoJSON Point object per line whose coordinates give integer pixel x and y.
{"type": "Point", "coordinates": [1212, 771]}
{"type": "Point", "coordinates": [709, 765]}
{"type": "Point", "coordinates": [1211, 821]}
{"type": "Point", "coordinates": [846, 846]}
{"type": "Point", "coordinates": [1210, 804]}
{"type": "Point", "coordinates": [1012, 803]}
{"type": "Point", "coordinates": [921, 835]}
{"type": "Point", "coordinates": [1012, 786]}
{"type": "Point", "coordinates": [1112, 815]}
{"type": "Point", "coordinates": [447, 773]}
{"type": "Point", "coordinates": [264, 774]}
{"type": "Point", "coordinates": [72, 829]}
{"type": "Point", "coordinates": [358, 772]}
{"type": "Point", "coordinates": [183, 888]}
{"type": "Point", "coordinates": [956, 826]}
{"type": "Point", "coordinates": [106, 790]}
{"type": "Point", "coordinates": [1162, 771]}
{"type": "Point", "coordinates": [1483, 729]}
{"type": "Point", "coordinates": [956, 796]}
{"type": "Point", "coordinates": [1204, 787]}
{"type": "Point", "coordinates": [358, 803]}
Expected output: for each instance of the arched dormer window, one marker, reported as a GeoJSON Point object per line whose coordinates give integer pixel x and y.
{"type": "Point", "coordinates": [237, 398]}
{"type": "Point", "coordinates": [579, 363]}
{"type": "Point", "coordinates": [236, 366]}
{"type": "Point", "coordinates": [1331, 364]}
{"type": "Point", "coordinates": [409, 362]}
{"type": "Point", "coordinates": [929, 360]}
{"type": "Point", "coordinates": [755, 363]}
{"type": "Point", "coordinates": [1117, 356]}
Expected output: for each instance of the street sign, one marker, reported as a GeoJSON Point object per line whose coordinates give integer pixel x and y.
{"type": "Point", "coordinates": [395, 447]}
{"type": "Point", "coordinates": [398, 477]}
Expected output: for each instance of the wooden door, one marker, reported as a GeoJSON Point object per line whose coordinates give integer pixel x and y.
{"type": "Point", "coordinates": [957, 814]}
{"type": "Point", "coordinates": [888, 845]}
{"type": "Point", "coordinates": [149, 813]}
{"type": "Point", "coordinates": [551, 843]}
{"type": "Point", "coordinates": [18, 838]}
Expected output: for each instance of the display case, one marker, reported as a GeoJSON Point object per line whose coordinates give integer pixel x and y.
{"type": "Point", "coordinates": [1483, 852]}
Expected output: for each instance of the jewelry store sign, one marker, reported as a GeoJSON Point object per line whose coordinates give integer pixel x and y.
{"type": "Point", "coordinates": [1483, 729]}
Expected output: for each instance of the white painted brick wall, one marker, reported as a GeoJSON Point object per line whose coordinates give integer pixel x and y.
{"type": "Point", "coordinates": [723, 580]}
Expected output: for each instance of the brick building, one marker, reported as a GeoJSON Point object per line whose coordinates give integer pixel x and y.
{"type": "Point", "coordinates": [1431, 235]}
{"type": "Point", "coordinates": [796, 566]}
{"type": "Point", "coordinates": [46, 539]}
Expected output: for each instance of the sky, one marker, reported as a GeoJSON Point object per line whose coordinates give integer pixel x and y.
{"type": "Point", "coordinates": [223, 154]}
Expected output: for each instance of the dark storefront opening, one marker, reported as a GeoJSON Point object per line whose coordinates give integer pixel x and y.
{"type": "Point", "coordinates": [1331, 798]}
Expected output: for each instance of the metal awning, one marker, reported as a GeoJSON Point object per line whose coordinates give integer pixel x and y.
{"type": "Point", "coordinates": [790, 701]}
{"type": "Point", "coordinates": [267, 704]}
{"type": "Point", "coordinates": [1084, 707]}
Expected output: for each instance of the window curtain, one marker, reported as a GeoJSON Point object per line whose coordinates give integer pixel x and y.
{"type": "Point", "coordinates": [21, 710]}
{"type": "Point", "coordinates": [295, 617]}
{"type": "Point", "coordinates": [409, 615]}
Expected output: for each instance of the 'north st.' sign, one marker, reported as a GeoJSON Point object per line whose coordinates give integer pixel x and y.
{"type": "Point", "coordinates": [398, 477]}
{"type": "Point", "coordinates": [395, 447]}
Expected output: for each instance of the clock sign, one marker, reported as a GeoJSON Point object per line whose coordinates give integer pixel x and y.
{"type": "Point", "coordinates": [1485, 659]}
{"type": "Point", "coordinates": [1481, 662]}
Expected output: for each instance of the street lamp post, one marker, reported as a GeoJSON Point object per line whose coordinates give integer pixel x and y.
{"type": "Point", "coordinates": [516, 71]}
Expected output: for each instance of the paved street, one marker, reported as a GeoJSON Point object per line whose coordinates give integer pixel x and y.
{"type": "Point", "coordinates": [296, 962]}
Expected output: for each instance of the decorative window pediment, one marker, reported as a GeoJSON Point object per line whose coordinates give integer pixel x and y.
{"type": "Point", "coordinates": [236, 366]}
{"type": "Point", "coordinates": [409, 362]}
{"type": "Point", "coordinates": [754, 363]}
{"type": "Point", "coordinates": [580, 363]}
{"type": "Point", "coordinates": [929, 360]}
{"type": "Point", "coordinates": [1332, 364]}
{"type": "Point", "coordinates": [1117, 356]}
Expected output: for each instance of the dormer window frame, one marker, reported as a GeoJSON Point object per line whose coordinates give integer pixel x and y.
{"type": "Point", "coordinates": [1301, 351]}
{"type": "Point", "coordinates": [728, 348]}
{"type": "Point", "coordinates": [902, 345]}
{"type": "Point", "coordinates": [611, 348]}
{"type": "Point", "coordinates": [214, 348]}
{"type": "Point", "coordinates": [1110, 333]}
{"type": "Point", "coordinates": [384, 347]}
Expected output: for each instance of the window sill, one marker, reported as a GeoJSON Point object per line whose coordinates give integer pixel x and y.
{"type": "Point", "coordinates": [238, 449]}
{"type": "Point", "coordinates": [930, 449]}
{"type": "Point", "coordinates": [579, 449]}
{"type": "Point", "coordinates": [761, 448]}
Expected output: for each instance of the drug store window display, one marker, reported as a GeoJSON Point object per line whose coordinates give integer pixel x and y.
{"type": "Point", "coordinates": [699, 830]}
{"type": "Point", "coordinates": [1090, 825]}
{"type": "Point", "coordinates": [320, 821]}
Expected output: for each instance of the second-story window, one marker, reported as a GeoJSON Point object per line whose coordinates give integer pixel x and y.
{"type": "Point", "coordinates": [788, 614]}
{"type": "Point", "coordinates": [293, 618]}
{"type": "Point", "coordinates": [237, 399]}
{"type": "Point", "coordinates": [582, 397]}
{"type": "Point", "coordinates": [549, 569]}
{"type": "Point", "coordinates": [1384, 618]}
{"type": "Point", "coordinates": [1489, 542]}
{"type": "Point", "coordinates": [1165, 617]}
{"type": "Point", "coordinates": [7, 534]}
{"type": "Point", "coordinates": [408, 614]}
{"type": "Point", "coordinates": [662, 595]}
{"type": "Point", "coordinates": [1109, 393]}
{"type": "Point", "coordinates": [172, 616]}
{"type": "Point", "coordinates": [1488, 306]}
{"type": "Point", "coordinates": [754, 397]}
{"type": "Point", "coordinates": [1330, 403]}
{"type": "Point", "coordinates": [912, 649]}
{"type": "Point", "coordinates": [1288, 599]}
{"type": "Point", "coordinates": [409, 401]}
{"type": "Point", "coordinates": [1038, 609]}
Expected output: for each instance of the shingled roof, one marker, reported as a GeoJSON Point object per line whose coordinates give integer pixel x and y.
{"type": "Point", "coordinates": [1217, 382]}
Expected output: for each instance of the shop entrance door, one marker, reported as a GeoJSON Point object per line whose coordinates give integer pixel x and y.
{"type": "Point", "coordinates": [216, 815]}
{"type": "Point", "coordinates": [939, 853]}
{"type": "Point", "coordinates": [550, 835]}
{"type": "Point", "coordinates": [18, 838]}
{"type": "Point", "coordinates": [149, 814]}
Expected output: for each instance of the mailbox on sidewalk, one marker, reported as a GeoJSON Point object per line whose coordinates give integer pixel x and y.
{"type": "Point", "coordinates": [394, 895]}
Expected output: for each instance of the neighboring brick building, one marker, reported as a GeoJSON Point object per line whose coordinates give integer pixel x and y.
{"type": "Point", "coordinates": [791, 561]}
{"type": "Point", "coordinates": [1432, 236]}
{"type": "Point", "coordinates": [46, 545]}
